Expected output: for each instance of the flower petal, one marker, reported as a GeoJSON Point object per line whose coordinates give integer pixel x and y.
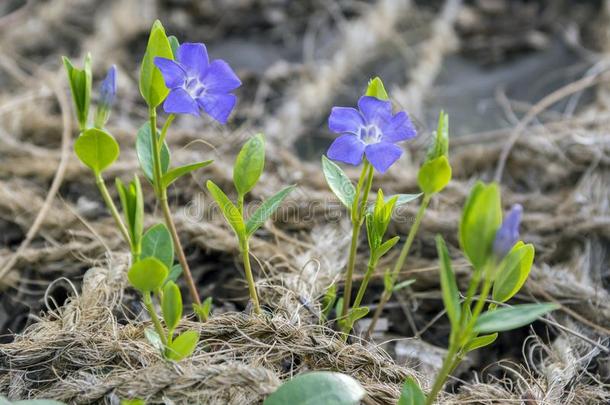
{"type": "Point", "coordinates": [193, 57]}
{"type": "Point", "coordinates": [375, 111]}
{"type": "Point", "coordinates": [398, 128]}
{"type": "Point", "coordinates": [179, 101]}
{"type": "Point", "coordinates": [347, 149]}
{"type": "Point", "coordinates": [382, 155]}
{"type": "Point", "coordinates": [508, 234]}
{"type": "Point", "coordinates": [220, 78]}
{"type": "Point", "coordinates": [173, 74]}
{"type": "Point", "coordinates": [345, 120]}
{"type": "Point", "coordinates": [218, 106]}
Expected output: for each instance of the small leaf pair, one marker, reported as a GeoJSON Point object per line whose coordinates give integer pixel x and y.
{"type": "Point", "coordinates": [247, 170]}
{"type": "Point", "coordinates": [80, 86]}
{"type": "Point", "coordinates": [132, 201]}
{"type": "Point", "coordinates": [377, 224]}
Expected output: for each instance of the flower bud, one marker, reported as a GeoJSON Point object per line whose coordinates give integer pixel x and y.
{"type": "Point", "coordinates": [508, 234]}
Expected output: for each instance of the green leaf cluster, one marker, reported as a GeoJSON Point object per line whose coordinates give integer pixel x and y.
{"type": "Point", "coordinates": [80, 86]}
{"type": "Point", "coordinates": [132, 201]}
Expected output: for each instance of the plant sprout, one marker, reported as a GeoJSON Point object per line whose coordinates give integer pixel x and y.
{"type": "Point", "coordinates": [246, 173]}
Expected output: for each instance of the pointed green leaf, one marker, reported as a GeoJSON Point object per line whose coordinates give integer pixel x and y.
{"type": "Point", "coordinates": [440, 147]}
{"type": "Point", "coordinates": [97, 149]}
{"type": "Point", "coordinates": [401, 199]}
{"type": "Point", "coordinates": [411, 393]}
{"type": "Point", "coordinates": [174, 44]}
{"type": "Point", "coordinates": [481, 218]}
{"type": "Point", "coordinates": [177, 172]}
{"type": "Point", "coordinates": [266, 210]}
{"type": "Point", "coordinates": [157, 242]}
{"type": "Point", "coordinates": [434, 175]}
{"type": "Point", "coordinates": [249, 164]}
{"type": "Point", "coordinates": [228, 209]}
{"type": "Point", "coordinates": [152, 86]}
{"type": "Point", "coordinates": [403, 284]}
{"type": "Point", "coordinates": [386, 246]}
{"type": "Point", "coordinates": [147, 275]}
{"type": "Point", "coordinates": [135, 401]}
{"type": "Point", "coordinates": [145, 154]}
{"type": "Point", "coordinates": [513, 272]}
{"type": "Point", "coordinates": [480, 341]}
{"type": "Point", "coordinates": [357, 313]}
{"type": "Point", "coordinates": [329, 299]}
{"type": "Point", "coordinates": [174, 273]}
{"type": "Point", "coordinates": [80, 86]}
{"type": "Point", "coordinates": [451, 297]}
{"type": "Point", "coordinates": [509, 318]}
{"type": "Point", "coordinates": [203, 310]}
{"type": "Point", "coordinates": [376, 89]}
{"type": "Point", "coordinates": [183, 346]}
{"type": "Point", "coordinates": [171, 305]}
{"type": "Point", "coordinates": [338, 182]}
{"type": "Point", "coordinates": [318, 388]}
{"type": "Point", "coordinates": [132, 203]}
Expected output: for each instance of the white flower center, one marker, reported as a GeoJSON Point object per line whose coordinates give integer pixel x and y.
{"type": "Point", "coordinates": [370, 134]}
{"type": "Point", "coordinates": [194, 87]}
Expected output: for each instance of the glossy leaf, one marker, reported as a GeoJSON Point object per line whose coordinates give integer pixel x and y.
{"type": "Point", "coordinates": [338, 182]}
{"type": "Point", "coordinates": [97, 149]}
{"type": "Point", "coordinates": [513, 272]}
{"type": "Point", "coordinates": [80, 86]}
{"type": "Point", "coordinates": [451, 297]}
{"type": "Point", "coordinates": [376, 89]}
{"type": "Point", "coordinates": [317, 388]}
{"type": "Point", "coordinates": [249, 164]}
{"type": "Point", "coordinates": [171, 305]}
{"type": "Point", "coordinates": [147, 275]}
{"type": "Point", "coordinates": [434, 175]}
{"type": "Point", "coordinates": [145, 153]}
{"type": "Point", "coordinates": [480, 341]}
{"type": "Point", "coordinates": [152, 86]}
{"type": "Point", "coordinates": [266, 210]}
{"type": "Point", "coordinates": [228, 209]}
{"type": "Point", "coordinates": [509, 318]}
{"type": "Point", "coordinates": [481, 218]}
{"type": "Point", "coordinates": [183, 346]}
{"type": "Point", "coordinates": [203, 310]}
{"type": "Point", "coordinates": [411, 393]}
{"type": "Point", "coordinates": [177, 172]}
{"type": "Point", "coordinates": [157, 242]}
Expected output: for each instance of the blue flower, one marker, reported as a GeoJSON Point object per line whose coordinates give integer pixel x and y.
{"type": "Point", "coordinates": [196, 83]}
{"type": "Point", "coordinates": [508, 234]}
{"type": "Point", "coordinates": [370, 131]}
{"type": "Point", "coordinates": [108, 88]}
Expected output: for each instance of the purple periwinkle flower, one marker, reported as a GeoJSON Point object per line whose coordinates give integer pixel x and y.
{"type": "Point", "coordinates": [108, 88]}
{"type": "Point", "coordinates": [508, 234]}
{"type": "Point", "coordinates": [371, 130]}
{"type": "Point", "coordinates": [196, 83]}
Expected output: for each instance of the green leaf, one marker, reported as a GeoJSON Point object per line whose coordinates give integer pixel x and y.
{"type": "Point", "coordinates": [171, 305]}
{"type": "Point", "coordinates": [411, 393]}
{"type": "Point", "coordinates": [480, 341]}
{"type": "Point", "coordinates": [132, 202]}
{"type": "Point", "coordinates": [318, 388]}
{"type": "Point", "coordinates": [357, 313]}
{"type": "Point", "coordinates": [338, 182]}
{"type": "Point", "coordinates": [135, 401]}
{"type": "Point", "coordinates": [513, 271]}
{"type": "Point", "coordinates": [177, 172]}
{"type": "Point", "coordinates": [97, 149]}
{"type": "Point", "coordinates": [481, 218]}
{"type": "Point", "coordinates": [401, 199]}
{"type": "Point", "coordinates": [157, 242]}
{"type": "Point", "coordinates": [339, 306]}
{"type": "Point", "coordinates": [80, 86]}
{"type": "Point", "coordinates": [229, 210]}
{"type": "Point", "coordinates": [388, 284]}
{"type": "Point", "coordinates": [386, 246]}
{"type": "Point", "coordinates": [183, 346]}
{"type": "Point", "coordinates": [203, 310]}
{"type": "Point", "coordinates": [451, 297]}
{"type": "Point", "coordinates": [329, 299]}
{"type": "Point", "coordinates": [154, 339]}
{"type": "Point", "coordinates": [266, 210]}
{"type": "Point", "coordinates": [147, 275]}
{"type": "Point", "coordinates": [440, 147]}
{"type": "Point", "coordinates": [509, 318]}
{"type": "Point", "coordinates": [249, 164]}
{"type": "Point", "coordinates": [174, 44]}
{"type": "Point", "coordinates": [145, 153]}
{"type": "Point", "coordinates": [376, 89]}
{"type": "Point", "coordinates": [434, 175]}
{"type": "Point", "coordinates": [403, 284]}
{"type": "Point", "coordinates": [174, 273]}
{"type": "Point", "coordinates": [152, 86]}
{"type": "Point", "coordinates": [36, 402]}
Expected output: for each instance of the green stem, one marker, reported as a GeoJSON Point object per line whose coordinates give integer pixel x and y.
{"type": "Point", "coordinates": [153, 316]}
{"type": "Point", "coordinates": [447, 367]}
{"type": "Point", "coordinates": [245, 252]}
{"type": "Point", "coordinates": [404, 253]}
{"type": "Point", "coordinates": [168, 122]}
{"type": "Point", "coordinates": [372, 265]}
{"type": "Point", "coordinates": [161, 193]}
{"type": "Point", "coordinates": [101, 185]}
{"type": "Point", "coordinates": [357, 218]}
